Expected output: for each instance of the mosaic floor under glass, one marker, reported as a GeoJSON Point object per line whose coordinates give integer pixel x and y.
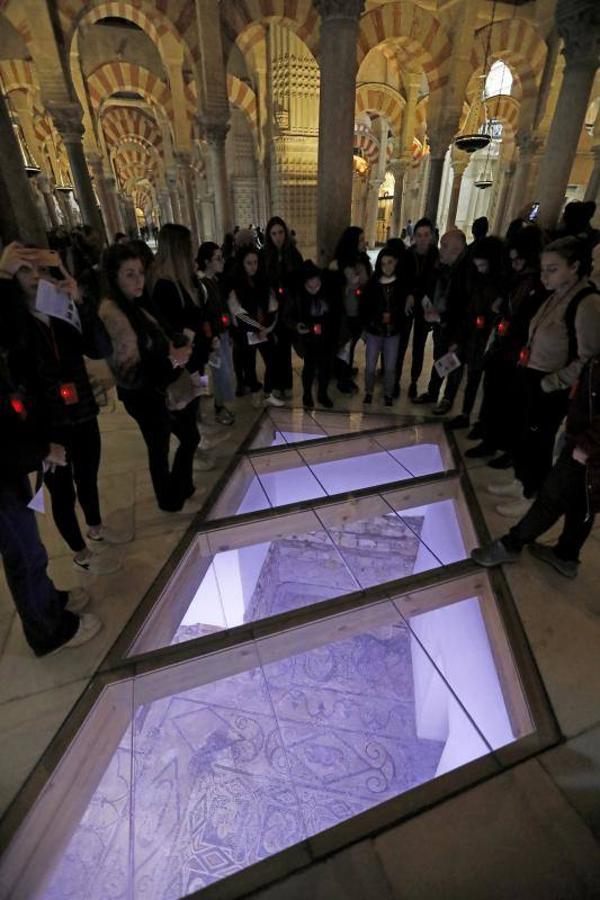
{"type": "Point", "coordinates": [185, 773]}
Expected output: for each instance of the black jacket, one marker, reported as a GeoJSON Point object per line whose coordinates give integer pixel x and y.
{"type": "Point", "coordinates": [376, 300]}
{"type": "Point", "coordinates": [27, 392]}
{"type": "Point", "coordinates": [176, 311]}
{"type": "Point", "coordinates": [583, 426]}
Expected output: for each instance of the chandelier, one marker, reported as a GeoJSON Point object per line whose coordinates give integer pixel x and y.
{"type": "Point", "coordinates": [472, 139]}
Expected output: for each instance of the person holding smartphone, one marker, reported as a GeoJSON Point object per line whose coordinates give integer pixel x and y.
{"type": "Point", "coordinates": [50, 618]}
{"type": "Point", "coordinates": [60, 339]}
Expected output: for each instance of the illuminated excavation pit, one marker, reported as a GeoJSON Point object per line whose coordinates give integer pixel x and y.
{"type": "Point", "coordinates": [276, 563]}
{"type": "Point", "coordinates": [319, 646]}
{"type": "Point", "coordinates": [222, 761]}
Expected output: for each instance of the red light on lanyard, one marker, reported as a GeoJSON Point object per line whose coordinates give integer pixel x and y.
{"type": "Point", "coordinates": [316, 328]}
{"type": "Point", "coordinates": [225, 320]}
{"type": "Point", "coordinates": [280, 291]}
{"type": "Point", "coordinates": [68, 393]}
{"type": "Point", "coordinates": [524, 356]}
{"type": "Point", "coordinates": [357, 292]}
{"type": "Point", "coordinates": [18, 406]}
{"type": "Point", "coordinates": [503, 327]}
{"type": "Point", "coordinates": [480, 322]}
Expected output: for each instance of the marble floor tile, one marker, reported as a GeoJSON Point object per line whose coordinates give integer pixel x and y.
{"type": "Point", "coordinates": [575, 768]}
{"type": "Point", "coordinates": [515, 836]}
{"type": "Point", "coordinates": [28, 726]}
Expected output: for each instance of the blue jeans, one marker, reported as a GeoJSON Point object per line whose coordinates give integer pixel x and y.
{"type": "Point", "coordinates": [40, 606]}
{"type": "Point", "coordinates": [223, 376]}
{"type": "Point", "coordinates": [389, 347]}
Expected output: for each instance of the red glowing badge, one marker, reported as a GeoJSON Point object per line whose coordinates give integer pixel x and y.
{"type": "Point", "coordinates": [18, 406]}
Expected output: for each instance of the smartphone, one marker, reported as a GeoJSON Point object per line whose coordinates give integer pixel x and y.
{"type": "Point", "coordinates": [533, 212]}
{"type": "Point", "coordinates": [47, 258]}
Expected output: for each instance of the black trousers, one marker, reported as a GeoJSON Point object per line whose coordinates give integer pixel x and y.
{"type": "Point", "coordinates": [317, 364]}
{"type": "Point", "coordinates": [171, 484]}
{"type": "Point", "coordinates": [563, 493]}
{"type": "Point", "coordinates": [248, 363]}
{"type": "Point", "coordinates": [78, 480]}
{"type": "Point", "coordinates": [420, 332]}
{"type": "Point", "coordinates": [441, 346]}
{"type": "Point", "coordinates": [496, 415]}
{"type": "Point", "coordinates": [405, 330]}
{"type": "Point", "coordinates": [283, 376]}
{"type": "Point", "coordinates": [537, 418]}
{"type": "Point", "coordinates": [41, 608]}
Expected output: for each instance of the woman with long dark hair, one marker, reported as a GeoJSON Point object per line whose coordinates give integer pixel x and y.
{"type": "Point", "coordinates": [281, 260]}
{"type": "Point", "coordinates": [563, 334]}
{"type": "Point", "coordinates": [144, 362]}
{"type": "Point", "coordinates": [254, 311]}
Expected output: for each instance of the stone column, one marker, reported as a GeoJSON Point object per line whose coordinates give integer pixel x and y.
{"type": "Point", "coordinates": [215, 135]}
{"type": "Point", "coordinates": [459, 168]}
{"type": "Point", "coordinates": [115, 213]}
{"type": "Point", "coordinates": [520, 195]}
{"type": "Point", "coordinates": [19, 215]}
{"type": "Point", "coordinates": [439, 143]}
{"type": "Point", "coordinates": [96, 169]}
{"type": "Point", "coordinates": [578, 23]}
{"type": "Point", "coordinates": [372, 210]}
{"type": "Point", "coordinates": [339, 34]}
{"type": "Point", "coordinates": [43, 183]}
{"type": "Point", "coordinates": [67, 119]}
{"type": "Point", "coordinates": [499, 224]}
{"type": "Point", "coordinates": [398, 169]}
{"type": "Point", "coordinates": [174, 195]}
{"type": "Point", "coordinates": [593, 186]}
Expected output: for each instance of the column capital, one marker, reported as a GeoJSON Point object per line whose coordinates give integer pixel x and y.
{"type": "Point", "coordinates": [214, 132]}
{"type": "Point", "coordinates": [339, 9]}
{"type": "Point", "coordinates": [578, 23]}
{"type": "Point", "coordinates": [399, 166]}
{"type": "Point", "coordinates": [68, 119]}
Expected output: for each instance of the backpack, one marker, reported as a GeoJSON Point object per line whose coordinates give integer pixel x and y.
{"type": "Point", "coordinates": [570, 315]}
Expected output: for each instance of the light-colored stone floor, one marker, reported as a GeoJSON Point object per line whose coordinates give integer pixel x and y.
{"type": "Point", "coordinates": [532, 832]}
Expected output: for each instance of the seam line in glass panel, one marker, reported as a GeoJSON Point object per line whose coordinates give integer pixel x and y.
{"type": "Point", "coordinates": [340, 554]}
{"type": "Point", "coordinates": [390, 454]}
{"type": "Point", "coordinates": [446, 682]}
{"type": "Point", "coordinates": [262, 487]}
{"type": "Point", "coordinates": [418, 536]}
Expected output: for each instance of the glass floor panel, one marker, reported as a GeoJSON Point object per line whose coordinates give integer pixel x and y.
{"type": "Point", "coordinates": [208, 766]}
{"type": "Point", "coordinates": [263, 480]}
{"type": "Point", "coordinates": [243, 573]}
{"type": "Point", "coordinates": [289, 426]}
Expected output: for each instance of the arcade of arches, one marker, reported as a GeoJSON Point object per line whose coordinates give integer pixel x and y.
{"type": "Point", "coordinates": [121, 113]}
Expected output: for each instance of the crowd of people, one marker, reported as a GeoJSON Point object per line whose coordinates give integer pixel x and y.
{"type": "Point", "coordinates": [516, 318]}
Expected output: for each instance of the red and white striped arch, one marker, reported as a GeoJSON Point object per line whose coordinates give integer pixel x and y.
{"type": "Point", "coordinates": [517, 43]}
{"type": "Point", "coordinates": [241, 20]}
{"type": "Point", "coordinates": [382, 99]}
{"type": "Point", "coordinates": [415, 30]}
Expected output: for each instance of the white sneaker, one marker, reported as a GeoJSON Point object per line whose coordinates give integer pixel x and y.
{"type": "Point", "coordinates": [96, 564]}
{"type": "Point", "coordinates": [512, 488]}
{"type": "Point", "coordinates": [106, 535]}
{"type": "Point", "coordinates": [89, 626]}
{"type": "Point", "coordinates": [78, 600]}
{"type": "Point", "coordinates": [514, 509]}
{"type": "Point", "coordinates": [257, 400]}
{"type": "Point", "coordinates": [272, 400]}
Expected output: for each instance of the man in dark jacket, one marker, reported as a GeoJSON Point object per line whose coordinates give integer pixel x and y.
{"type": "Point", "coordinates": [49, 616]}
{"type": "Point", "coordinates": [445, 312]}
{"type": "Point", "coordinates": [423, 255]}
{"type": "Point", "coordinates": [571, 489]}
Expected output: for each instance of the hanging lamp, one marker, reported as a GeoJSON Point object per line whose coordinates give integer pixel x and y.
{"type": "Point", "coordinates": [470, 139]}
